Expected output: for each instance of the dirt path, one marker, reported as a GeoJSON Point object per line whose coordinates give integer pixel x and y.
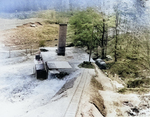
{"type": "Point", "coordinates": [72, 97]}
{"type": "Point", "coordinates": [86, 107]}
{"type": "Point", "coordinates": [77, 94]}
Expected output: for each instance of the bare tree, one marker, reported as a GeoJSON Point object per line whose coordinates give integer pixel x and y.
{"type": "Point", "coordinates": [117, 21]}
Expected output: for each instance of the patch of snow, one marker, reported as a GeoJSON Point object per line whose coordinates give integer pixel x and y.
{"type": "Point", "coordinates": [144, 113]}
{"type": "Point", "coordinates": [148, 94]}
{"type": "Point", "coordinates": [20, 92]}
{"type": "Point", "coordinates": [117, 85]}
{"type": "Point", "coordinates": [22, 95]}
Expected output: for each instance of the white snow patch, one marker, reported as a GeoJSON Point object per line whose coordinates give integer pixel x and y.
{"type": "Point", "coordinates": [117, 85]}
{"type": "Point", "coordinates": [22, 95]}
{"type": "Point", "coordinates": [21, 92]}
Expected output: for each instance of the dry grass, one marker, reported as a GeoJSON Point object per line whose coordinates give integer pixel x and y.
{"type": "Point", "coordinates": [26, 36]}
{"type": "Point", "coordinates": [138, 90]}
{"type": "Point", "coordinates": [96, 84]}
{"type": "Point", "coordinates": [98, 102]}
{"type": "Point", "coordinates": [96, 98]}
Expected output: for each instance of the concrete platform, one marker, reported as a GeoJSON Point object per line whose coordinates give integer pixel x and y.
{"type": "Point", "coordinates": [58, 64]}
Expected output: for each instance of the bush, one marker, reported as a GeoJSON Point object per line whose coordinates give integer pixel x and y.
{"type": "Point", "coordinates": [135, 83]}
{"type": "Point", "coordinates": [138, 83]}
{"type": "Point", "coordinates": [124, 69]}
{"type": "Point", "coordinates": [70, 45]}
{"type": "Point", "coordinates": [41, 43]}
{"type": "Point", "coordinates": [122, 90]}
{"type": "Point", "coordinates": [87, 64]}
{"type": "Point", "coordinates": [61, 75]}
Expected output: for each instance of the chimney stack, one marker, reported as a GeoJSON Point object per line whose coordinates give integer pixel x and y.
{"type": "Point", "coordinates": [62, 39]}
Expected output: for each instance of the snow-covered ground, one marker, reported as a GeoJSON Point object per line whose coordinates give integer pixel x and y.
{"type": "Point", "coordinates": [21, 93]}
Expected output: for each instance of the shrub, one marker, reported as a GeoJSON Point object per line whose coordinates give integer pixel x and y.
{"type": "Point", "coordinates": [124, 69]}
{"type": "Point", "coordinates": [135, 83]}
{"type": "Point", "coordinates": [122, 90]}
{"type": "Point", "coordinates": [87, 64]}
{"type": "Point", "coordinates": [61, 75]}
{"type": "Point", "coordinates": [41, 43]}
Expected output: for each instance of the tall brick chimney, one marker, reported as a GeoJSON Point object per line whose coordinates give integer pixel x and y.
{"type": "Point", "coordinates": [62, 39]}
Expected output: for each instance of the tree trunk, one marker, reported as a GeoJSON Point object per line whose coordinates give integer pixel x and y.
{"type": "Point", "coordinates": [116, 42]}
{"type": "Point", "coordinates": [103, 40]}
{"type": "Point", "coordinates": [90, 54]}
{"type": "Point", "coordinates": [91, 45]}
{"type": "Point", "coordinates": [116, 39]}
{"type": "Point", "coordinates": [106, 42]}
